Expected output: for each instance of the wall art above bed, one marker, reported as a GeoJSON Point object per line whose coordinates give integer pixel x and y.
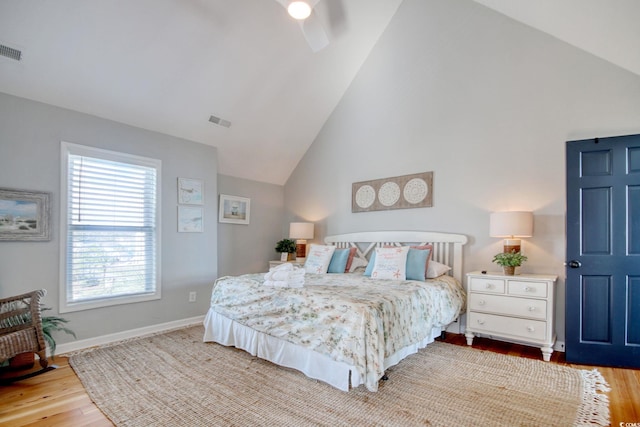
{"type": "Point", "coordinates": [400, 192]}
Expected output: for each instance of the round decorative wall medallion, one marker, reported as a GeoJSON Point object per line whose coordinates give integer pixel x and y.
{"type": "Point", "coordinates": [389, 193]}
{"type": "Point", "coordinates": [365, 196]}
{"type": "Point", "coordinates": [415, 191]}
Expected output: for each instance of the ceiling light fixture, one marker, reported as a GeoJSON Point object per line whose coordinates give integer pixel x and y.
{"type": "Point", "coordinates": [299, 10]}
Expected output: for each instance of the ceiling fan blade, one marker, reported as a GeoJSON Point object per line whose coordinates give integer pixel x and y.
{"type": "Point", "coordinates": [311, 27]}
{"type": "Point", "coordinates": [337, 17]}
{"type": "Point", "coordinates": [314, 32]}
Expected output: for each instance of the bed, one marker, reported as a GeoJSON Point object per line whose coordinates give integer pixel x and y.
{"type": "Point", "coordinates": [346, 328]}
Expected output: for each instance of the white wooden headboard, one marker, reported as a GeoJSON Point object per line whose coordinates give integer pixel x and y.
{"type": "Point", "coordinates": [447, 248]}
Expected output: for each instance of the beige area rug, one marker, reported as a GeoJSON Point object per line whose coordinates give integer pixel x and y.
{"type": "Point", "coordinates": [174, 379]}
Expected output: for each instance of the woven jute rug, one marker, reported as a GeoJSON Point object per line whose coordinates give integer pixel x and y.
{"type": "Point", "coordinates": [174, 379]}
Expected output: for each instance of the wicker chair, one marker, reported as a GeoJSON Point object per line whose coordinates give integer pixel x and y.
{"type": "Point", "coordinates": [21, 326]}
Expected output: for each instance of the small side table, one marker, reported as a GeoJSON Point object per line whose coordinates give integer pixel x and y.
{"type": "Point", "coordinates": [513, 308]}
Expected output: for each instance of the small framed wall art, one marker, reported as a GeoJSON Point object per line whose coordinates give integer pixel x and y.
{"type": "Point", "coordinates": [190, 219]}
{"type": "Point", "coordinates": [234, 209]}
{"type": "Point", "coordinates": [400, 192]}
{"type": "Point", "coordinates": [24, 215]}
{"type": "Point", "coordinates": [190, 191]}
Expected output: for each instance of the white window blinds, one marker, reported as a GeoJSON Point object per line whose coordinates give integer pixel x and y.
{"type": "Point", "coordinates": [111, 225]}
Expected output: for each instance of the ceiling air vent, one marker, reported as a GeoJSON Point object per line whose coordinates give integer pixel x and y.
{"type": "Point", "coordinates": [10, 52]}
{"type": "Point", "coordinates": [219, 121]}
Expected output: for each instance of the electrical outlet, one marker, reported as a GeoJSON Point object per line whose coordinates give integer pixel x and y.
{"type": "Point", "coordinates": [192, 296]}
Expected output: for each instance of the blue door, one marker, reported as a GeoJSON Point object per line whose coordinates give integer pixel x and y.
{"type": "Point", "coordinates": [603, 252]}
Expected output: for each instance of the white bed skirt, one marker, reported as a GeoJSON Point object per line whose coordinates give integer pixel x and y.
{"type": "Point", "coordinates": [220, 329]}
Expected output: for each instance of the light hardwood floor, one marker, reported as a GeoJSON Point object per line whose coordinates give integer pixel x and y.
{"type": "Point", "coordinates": [57, 398]}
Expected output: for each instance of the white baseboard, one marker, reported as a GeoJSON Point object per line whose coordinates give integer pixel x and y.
{"type": "Point", "coordinates": [124, 335]}
{"type": "Point", "coordinates": [559, 346]}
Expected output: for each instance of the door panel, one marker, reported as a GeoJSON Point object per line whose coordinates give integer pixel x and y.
{"type": "Point", "coordinates": [633, 320]}
{"type": "Point", "coordinates": [596, 221]}
{"type": "Point", "coordinates": [595, 163]}
{"type": "Point", "coordinates": [634, 220]}
{"type": "Point", "coordinates": [596, 313]}
{"type": "Point", "coordinates": [603, 237]}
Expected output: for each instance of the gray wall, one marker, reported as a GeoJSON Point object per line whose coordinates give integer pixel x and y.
{"type": "Point", "coordinates": [30, 160]}
{"type": "Point", "coordinates": [484, 102]}
{"type": "Point", "coordinates": [248, 248]}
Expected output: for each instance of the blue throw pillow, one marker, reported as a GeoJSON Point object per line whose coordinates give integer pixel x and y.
{"type": "Point", "coordinates": [372, 261]}
{"type": "Point", "coordinates": [339, 260]}
{"type": "Point", "coordinates": [417, 263]}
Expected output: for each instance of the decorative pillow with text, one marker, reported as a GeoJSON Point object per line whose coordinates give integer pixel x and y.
{"type": "Point", "coordinates": [390, 263]}
{"type": "Point", "coordinates": [318, 258]}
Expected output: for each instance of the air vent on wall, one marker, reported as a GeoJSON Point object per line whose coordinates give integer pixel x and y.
{"type": "Point", "coordinates": [219, 121]}
{"type": "Point", "coordinates": [10, 52]}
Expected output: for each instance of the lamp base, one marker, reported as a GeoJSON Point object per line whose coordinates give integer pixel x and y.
{"type": "Point", "coordinates": [512, 245]}
{"type": "Point", "coordinates": [301, 249]}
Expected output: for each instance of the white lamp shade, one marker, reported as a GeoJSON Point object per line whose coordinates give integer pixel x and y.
{"type": "Point", "coordinates": [301, 230]}
{"type": "Point", "coordinates": [511, 224]}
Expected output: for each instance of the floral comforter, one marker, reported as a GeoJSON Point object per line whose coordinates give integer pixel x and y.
{"type": "Point", "coordinates": [349, 317]}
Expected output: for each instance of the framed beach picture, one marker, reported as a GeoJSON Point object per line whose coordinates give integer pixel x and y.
{"type": "Point", "coordinates": [190, 191]}
{"type": "Point", "coordinates": [190, 219]}
{"type": "Point", "coordinates": [234, 209]}
{"type": "Point", "coordinates": [24, 215]}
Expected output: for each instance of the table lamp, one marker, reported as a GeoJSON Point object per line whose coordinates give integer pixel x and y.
{"type": "Point", "coordinates": [510, 226]}
{"type": "Point", "coordinates": [301, 231]}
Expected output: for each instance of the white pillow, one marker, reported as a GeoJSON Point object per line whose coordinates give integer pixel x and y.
{"type": "Point", "coordinates": [318, 258]}
{"type": "Point", "coordinates": [435, 269]}
{"type": "Point", "coordinates": [390, 263]}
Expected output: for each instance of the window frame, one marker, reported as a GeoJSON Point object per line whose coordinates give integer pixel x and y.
{"type": "Point", "coordinates": [67, 149]}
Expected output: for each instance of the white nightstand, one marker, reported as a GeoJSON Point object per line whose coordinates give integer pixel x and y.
{"type": "Point", "coordinates": [277, 263]}
{"type": "Point", "coordinates": [515, 308]}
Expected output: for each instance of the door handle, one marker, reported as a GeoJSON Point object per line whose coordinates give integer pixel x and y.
{"type": "Point", "coordinates": [574, 264]}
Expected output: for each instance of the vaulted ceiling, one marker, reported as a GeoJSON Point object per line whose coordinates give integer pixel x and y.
{"type": "Point", "coordinates": [168, 65]}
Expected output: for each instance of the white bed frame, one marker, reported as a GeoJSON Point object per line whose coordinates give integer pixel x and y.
{"type": "Point", "coordinates": [447, 249]}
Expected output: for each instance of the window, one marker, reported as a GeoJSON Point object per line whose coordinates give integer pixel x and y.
{"type": "Point", "coordinates": [109, 228]}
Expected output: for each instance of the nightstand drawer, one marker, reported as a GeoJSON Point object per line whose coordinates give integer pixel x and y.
{"type": "Point", "coordinates": [527, 289]}
{"type": "Point", "coordinates": [495, 286]}
{"type": "Point", "coordinates": [498, 304]}
{"type": "Point", "coordinates": [516, 328]}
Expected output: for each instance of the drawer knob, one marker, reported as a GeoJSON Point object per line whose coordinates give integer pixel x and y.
{"type": "Point", "coordinates": [531, 329]}
{"type": "Point", "coordinates": [480, 322]}
{"type": "Point", "coordinates": [489, 286]}
{"type": "Point", "coordinates": [528, 289]}
{"type": "Point", "coordinates": [482, 302]}
{"type": "Point", "coordinates": [532, 308]}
